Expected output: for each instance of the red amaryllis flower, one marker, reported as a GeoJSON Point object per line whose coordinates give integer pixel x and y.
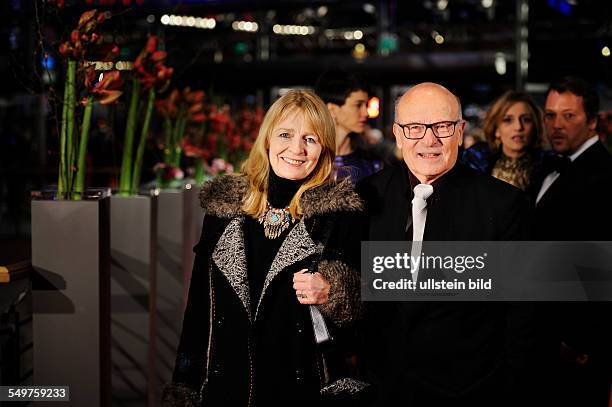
{"type": "Point", "coordinates": [86, 17]}
{"type": "Point", "coordinates": [247, 145]}
{"type": "Point", "coordinates": [234, 142]}
{"type": "Point", "coordinates": [106, 91]}
{"type": "Point", "coordinates": [168, 107]}
{"type": "Point", "coordinates": [193, 151]}
{"type": "Point", "coordinates": [193, 97]}
{"type": "Point", "coordinates": [198, 118]}
{"type": "Point", "coordinates": [158, 56]}
{"type": "Point", "coordinates": [84, 37]}
{"type": "Point", "coordinates": [196, 108]}
{"type": "Point", "coordinates": [151, 45]}
{"type": "Point", "coordinates": [150, 68]}
{"type": "Point", "coordinates": [90, 76]}
{"type": "Point", "coordinates": [74, 36]}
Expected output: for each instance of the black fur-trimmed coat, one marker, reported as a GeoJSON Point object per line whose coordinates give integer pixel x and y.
{"type": "Point", "coordinates": [231, 356]}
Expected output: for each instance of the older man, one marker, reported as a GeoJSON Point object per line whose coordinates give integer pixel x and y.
{"type": "Point", "coordinates": [452, 354]}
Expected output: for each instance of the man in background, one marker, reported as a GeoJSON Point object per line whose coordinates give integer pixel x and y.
{"type": "Point", "coordinates": [574, 203]}
{"type": "Point", "coordinates": [346, 98]}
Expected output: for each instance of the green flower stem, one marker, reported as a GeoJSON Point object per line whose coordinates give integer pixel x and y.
{"type": "Point", "coordinates": [62, 178]}
{"type": "Point", "coordinates": [177, 143]}
{"type": "Point", "coordinates": [80, 175]}
{"type": "Point", "coordinates": [176, 135]}
{"type": "Point", "coordinates": [168, 141]}
{"type": "Point", "coordinates": [126, 163]}
{"type": "Point", "coordinates": [141, 144]}
{"type": "Point", "coordinates": [70, 142]}
{"type": "Point", "coordinates": [199, 170]}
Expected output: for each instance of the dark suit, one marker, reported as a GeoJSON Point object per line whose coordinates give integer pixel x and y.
{"type": "Point", "coordinates": [577, 207]}
{"type": "Point", "coordinates": [452, 354]}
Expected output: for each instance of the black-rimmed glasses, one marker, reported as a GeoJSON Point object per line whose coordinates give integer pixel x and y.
{"type": "Point", "coordinates": [416, 131]}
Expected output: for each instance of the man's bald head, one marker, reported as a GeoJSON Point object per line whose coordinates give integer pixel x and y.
{"type": "Point", "coordinates": [429, 157]}
{"type": "Point", "coordinates": [428, 90]}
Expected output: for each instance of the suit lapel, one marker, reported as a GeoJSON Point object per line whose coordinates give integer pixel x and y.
{"type": "Point", "coordinates": [296, 247]}
{"type": "Point", "coordinates": [230, 257]}
{"type": "Point", "coordinates": [575, 174]}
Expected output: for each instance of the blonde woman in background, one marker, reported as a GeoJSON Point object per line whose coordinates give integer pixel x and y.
{"type": "Point", "coordinates": [513, 129]}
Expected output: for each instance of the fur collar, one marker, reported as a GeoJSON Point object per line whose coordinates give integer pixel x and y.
{"type": "Point", "coordinates": [222, 197]}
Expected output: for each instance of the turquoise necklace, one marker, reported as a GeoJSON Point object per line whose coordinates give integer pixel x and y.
{"type": "Point", "coordinates": [275, 221]}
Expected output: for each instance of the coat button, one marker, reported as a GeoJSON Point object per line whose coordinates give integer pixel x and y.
{"type": "Point", "coordinates": [298, 375]}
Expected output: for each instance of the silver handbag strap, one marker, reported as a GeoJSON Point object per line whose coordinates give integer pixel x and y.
{"type": "Point", "coordinates": [319, 326]}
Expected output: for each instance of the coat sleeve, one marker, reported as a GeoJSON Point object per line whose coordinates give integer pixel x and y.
{"type": "Point", "coordinates": [340, 267]}
{"type": "Point", "coordinates": [189, 368]}
{"type": "Point", "coordinates": [522, 337]}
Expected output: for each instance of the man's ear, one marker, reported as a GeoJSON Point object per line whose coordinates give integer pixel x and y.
{"type": "Point", "coordinates": [399, 135]}
{"type": "Point", "coordinates": [593, 123]}
{"type": "Point", "coordinates": [462, 129]}
{"type": "Point", "coordinates": [333, 109]}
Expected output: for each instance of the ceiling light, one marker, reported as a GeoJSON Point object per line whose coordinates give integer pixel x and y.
{"type": "Point", "coordinates": [442, 4]}
{"type": "Point", "coordinates": [500, 63]}
{"type": "Point", "coordinates": [188, 21]}
{"type": "Point", "coordinates": [369, 8]}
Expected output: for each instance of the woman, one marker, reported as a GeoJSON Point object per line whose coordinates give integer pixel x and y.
{"type": "Point", "coordinates": [247, 335]}
{"type": "Point", "coordinates": [513, 129]}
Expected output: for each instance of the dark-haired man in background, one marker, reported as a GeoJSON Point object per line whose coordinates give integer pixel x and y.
{"type": "Point", "coordinates": [347, 100]}
{"type": "Point", "coordinates": [574, 203]}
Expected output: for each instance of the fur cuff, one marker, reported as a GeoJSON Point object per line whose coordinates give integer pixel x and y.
{"type": "Point", "coordinates": [343, 305]}
{"type": "Point", "coordinates": [180, 395]}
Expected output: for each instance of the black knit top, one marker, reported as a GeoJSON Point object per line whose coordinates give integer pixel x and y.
{"type": "Point", "coordinates": [260, 250]}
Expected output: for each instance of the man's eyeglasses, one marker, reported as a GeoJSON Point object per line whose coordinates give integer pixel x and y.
{"type": "Point", "coordinates": [416, 131]}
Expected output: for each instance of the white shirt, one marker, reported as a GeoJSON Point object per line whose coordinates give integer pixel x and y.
{"type": "Point", "coordinates": [552, 177]}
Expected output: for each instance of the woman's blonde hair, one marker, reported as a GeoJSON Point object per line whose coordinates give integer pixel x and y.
{"type": "Point", "coordinates": [257, 166]}
{"type": "Point", "coordinates": [500, 107]}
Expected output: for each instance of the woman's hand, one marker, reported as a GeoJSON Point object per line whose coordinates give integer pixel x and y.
{"type": "Point", "coordinates": [310, 288]}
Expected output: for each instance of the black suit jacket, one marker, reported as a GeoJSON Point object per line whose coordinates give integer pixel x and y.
{"type": "Point", "coordinates": [424, 353]}
{"type": "Point", "coordinates": [578, 205]}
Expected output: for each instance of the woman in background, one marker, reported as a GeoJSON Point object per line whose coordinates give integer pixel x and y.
{"type": "Point", "coordinates": [513, 130]}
